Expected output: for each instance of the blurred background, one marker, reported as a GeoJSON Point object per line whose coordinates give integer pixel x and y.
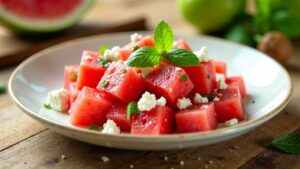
{"type": "Point", "coordinates": [31, 25]}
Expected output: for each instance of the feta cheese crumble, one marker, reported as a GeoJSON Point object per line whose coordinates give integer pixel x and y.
{"type": "Point", "coordinates": [178, 68]}
{"type": "Point", "coordinates": [221, 81]}
{"type": "Point", "coordinates": [135, 37]}
{"type": "Point", "coordinates": [202, 54]}
{"type": "Point", "coordinates": [161, 101]}
{"type": "Point", "coordinates": [105, 159]}
{"type": "Point", "coordinates": [147, 102]}
{"type": "Point", "coordinates": [58, 100]}
{"type": "Point", "coordinates": [231, 122]}
{"type": "Point", "coordinates": [216, 99]}
{"type": "Point", "coordinates": [199, 99]}
{"type": "Point", "coordinates": [110, 127]}
{"type": "Point", "coordinates": [183, 103]}
{"type": "Point", "coordinates": [112, 54]}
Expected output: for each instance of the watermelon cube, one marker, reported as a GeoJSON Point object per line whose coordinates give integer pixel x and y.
{"type": "Point", "coordinates": [159, 120]}
{"type": "Point", "coordinates": [181, 43]}
{"type": "Point", "coordinates": [90, 107]}
{"type": "Point", "coordinates": [117, 113]}
{"type": "Point", "coordinates": [221, 67]}
{"type": "Point", "coordinates": [239, 82]}
{"type": "Point", "coordinates": [201, 118]}
{"type": "Point", "coordinates": [203, 77]}
{"type": "Point", "coordinates": [229, 105]}
{"type": "Point", "coordinates": [70, 75]}
{"type": "Point", "coordinates": [122, 82]}
{"type": "Point", "coordinates": [73, 92]}
{"type": "Point", "coordinates": [90, 71]}
{"type": "Point", "coordinates": [170, 82]}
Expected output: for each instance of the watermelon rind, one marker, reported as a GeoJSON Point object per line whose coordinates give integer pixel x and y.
{"type": "Point", "coordinates": [29, 26]}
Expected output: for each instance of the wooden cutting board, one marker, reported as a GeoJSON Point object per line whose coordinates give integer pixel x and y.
{"type": "Point", "coordinates": [14, 49]}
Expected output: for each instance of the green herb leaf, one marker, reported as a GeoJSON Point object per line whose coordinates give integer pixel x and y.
{"type": "Point", "coordinates": [103, 48]}
{"type": "Point", "coordinates": [144, 57]}
{"type": "Point", "coordinates": [289, 144]}
{"type": "Point", "coordinates": [132, 108]}
{"type": "Point", "coordinates": [210, 97]}
{"type": "Point", "coordinates": [103, 62]}
{"type": "Point", "coordinates": [285, 22]}
{"type": "Point", "coordinates": [104, 83]}
{"type": "Point", "coordinates": [94, 127]}
{"type": "Point", "coordinates": [182, 57]}
{"type": "Point", "coordinates": [2, 88]}
{"type": "Point", "coordinates": [184, 78]}
{"type": "Point", "coordinates": [135, 47]}
{"type": "Point", "coordinates": [47, 106]}
{"type": "Point", "coordinates": [163, 37]}
{"type": "Point", "coordinates": [74, 76]}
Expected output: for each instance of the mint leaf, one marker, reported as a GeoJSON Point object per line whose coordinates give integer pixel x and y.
{"type": "Point", "coordinates": [103, 48]}
{"type": "Point", "coordinates": [74, 76]}
{"type": "Point", "coordinates": [132, 108]}
{"type": "Point", "coordinates": [289, 144]}
{"type": "Point", "coordinates": [144, 57]}
{"type": "Point", "coordinates": [104, 83]}
{"type": "Point", "coordinates": [209, 97]}
{"type": "Point", "coordinates": [47, 106]}
{"type": "Point", "coordinates": [163, 37]}
{"type": "Point", "coordinates": [2, 88]}
{"type": "Point", "coordinates": [103, 62]}
{"type": "Point", "coordinates": [182, 57]}
{"type": "Point", "coordinates": [94, 127]}
{"type": "Point", "coordinates": [184, 78]}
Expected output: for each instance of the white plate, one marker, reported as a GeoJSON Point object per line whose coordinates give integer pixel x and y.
{"type": "Point", "coordinates": [267, 82]}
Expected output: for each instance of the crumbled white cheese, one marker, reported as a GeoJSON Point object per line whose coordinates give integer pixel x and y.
{"type": "Point", "coordinates": [183, 103]}
{"type": "Point", "coordinates": [231, 122]}
{"type": "Point", "coordinates": [161, 101]}
{"type": "Point", "coordinates": [110, 127]}
{"type": "Point", "coordinates": [58, 100]}
{"type": "Point", "coordinates": [216, 99]}
{"type": "Point", "coordinates": [105, 159]}
{"type": "Point", "coordinates": [135, 37]}
{"type": "Point", "coordinates": [178, 68]}
{"type": "Point", "coordinates": [221, 81]}
{"type": "Point", "coordinates": [112, 54]}
{"type": "Point", "coordinates": [199, 99]}
{"type": "Point", "coordinates": [202, 54]}
{"type": "Point", "coordinates": [147, 102]}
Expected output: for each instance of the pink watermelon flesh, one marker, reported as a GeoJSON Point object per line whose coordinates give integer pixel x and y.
{"type": "Point", "coordinates": [239, 82]}
{"type": "Point", "coordinates": [201, 118]}
{"type": "Point", "coordinates": [117, 113]}
{"type": "Point", "coordinates": [40, 9]}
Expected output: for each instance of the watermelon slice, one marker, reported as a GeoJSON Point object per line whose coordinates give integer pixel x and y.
{"type": "Point", "coordinates": [39, 16]}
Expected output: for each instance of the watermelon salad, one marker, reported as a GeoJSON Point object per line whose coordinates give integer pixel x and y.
{"type": "Point", "coordinates": [153, 85]}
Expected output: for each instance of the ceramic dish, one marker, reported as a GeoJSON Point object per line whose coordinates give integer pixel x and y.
{"type": "Point", "coordinates": [267, 82]}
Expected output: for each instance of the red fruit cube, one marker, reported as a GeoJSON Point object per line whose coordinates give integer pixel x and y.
{"type": "Point", "coordinates": [181, 43]}
{"type": "Point", "coordinates": [70, 75]}
{"type": "Point", "coordinates": [90, 71]}
{"type": "Point", "coordinates": [239, 82]}
{"type": "Point", "coordinates": [201, 118]}
{"type": "Point", "coordinates": [117, 113]}
{"type": "Point", "coordinates": [230, 105]}
{"type": "Point", "coordinates": [170, 82]}
{"type": "Point", "coordinates": [122, 82]}
{"type": "Point", "coordinates": [221, 67]}
{"type": "Point", "coordinates": [90, 107]}
{"type": "Point", "coordinates": [159, 120]}
{"type": "Point", "coordinates": [73, 92]}
{"type": "Point", "coordinates": [203, 77]}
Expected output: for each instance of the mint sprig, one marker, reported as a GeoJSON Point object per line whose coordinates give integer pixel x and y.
{"type": "Point", "coordinates": [132, 108]}
{"type": "Point", "coordinates": [103, 48]}
{"type": "Point", "coordinates": [289, 144]}
{"type": "Point", "coordinates": [151, 56]}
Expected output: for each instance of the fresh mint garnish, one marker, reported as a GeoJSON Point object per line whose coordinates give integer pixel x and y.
{"type": "Point", "coordinates": [135, 47]}
{"type": "Point", "coordinates": [151, 56]}
{"type": "Point", "coordinates": [47, 106]}
{"type": "Point", "coordinates": [74, 76]}
{"type": "Point", "coordinates": [2, 88]}
{"type": "Point", "coordinates": [209, 97]}
{"type": "Point", "coordinates": [132, 108]}
{"type": "Point", "coordinates": [183, 78]}
{"type": "Point", "coordinates": [94, 127]}
{"type": "Point", "coordinates": [103, 62]}
{"type": "Point", "coordinates": [104, 83]}
{"type": "Point", "coordinates": [144, 57]}
{"type": "Point", "coordinates": [289, 144]}
{"type": "Point", "coordinates": [103, 48]}
{"type": "Point", "coordinates": [123, 70]}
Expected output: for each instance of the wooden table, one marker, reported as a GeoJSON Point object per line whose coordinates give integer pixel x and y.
{"type": "Point", "coordinates": [25, 143]}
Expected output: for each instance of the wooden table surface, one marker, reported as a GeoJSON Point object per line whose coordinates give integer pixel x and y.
{"type": "Point", "coordinates": [25, 143]}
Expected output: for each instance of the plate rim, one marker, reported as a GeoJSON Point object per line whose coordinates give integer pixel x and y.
{"type": "Point", "coordinates": [168, 137]}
